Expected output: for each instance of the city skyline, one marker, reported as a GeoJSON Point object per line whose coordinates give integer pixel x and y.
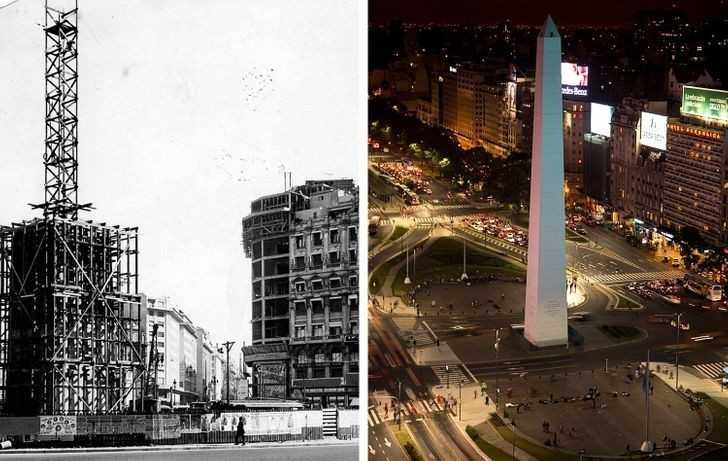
{"type": "Point", "coordinates": [184, 149]}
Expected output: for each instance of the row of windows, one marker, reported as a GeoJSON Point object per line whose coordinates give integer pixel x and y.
{"type": "Point", "coordinates": [317, 239]}
{"type": "Point", "coordinates": [318, 284]}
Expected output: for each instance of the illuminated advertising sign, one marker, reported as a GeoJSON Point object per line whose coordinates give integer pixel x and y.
{"type": "Point", "coordinates": [653, 131]}
{"type": "Point", "coordinates": [574, 79]}
{"type": "Point", "coordinates": [705, 102]}
{"type": "Point", "coordinates": [601, 119]}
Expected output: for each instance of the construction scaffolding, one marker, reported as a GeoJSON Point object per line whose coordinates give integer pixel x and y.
{"type": "Point", "coordinates": [72, 321]}
{"type": "Point", "coordinates": [75, 324]}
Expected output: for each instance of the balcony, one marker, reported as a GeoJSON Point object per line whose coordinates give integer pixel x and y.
{"type": "Point", "coordinates": [318, 339]}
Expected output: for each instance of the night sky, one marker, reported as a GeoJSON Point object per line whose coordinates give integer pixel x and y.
{"type": "Point", "coordinates": [565, 12]}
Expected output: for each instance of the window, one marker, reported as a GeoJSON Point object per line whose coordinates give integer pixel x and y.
{"type": "Point", "coordinates": [319, 372]}
{"type": "Point", "coordinates": [299, 263]}
{"type": "Point", "coordinates": [320, 357]}
{"type": "Point", "coordinates": [334, 236]}
{"type": "Point", "coordinates": [335, 305]}
{"type": "Point", "coordinates": [353, 282]}
{"type": "Point", "coordinates": [317, 284]}
{"type": "Point", "coordinates": [334, 258]}
{"type": "Point", "coordinates": [299, 242]}
{"type": "Point", "coordinates": [316, 261]}
{"type": "Point", "coordinates": [337, 356]}
{"type": "Point", "coordinates": [303, 358]}
{"type": "Point", "coordinates": [300, 308]}
{"type": "Point", "coordinates": [352, 256]}
{"type": "Point", "coordinates": [352, 236]}
{"type": "Point", "coordinates": [335, 331]}
{"type": "Point", "coordinates": [337, 372]}
{"type": "Point", "coordinates": [354, 328]}
{"type": "Point", "coordinates": [317, 307]}
{"type": "Point", "coordinates": [300, 333]}
{"type": "Point", "coordinates": [300, 287]}
{"type": "Point", "coordinates": [316, 239]}
{"type": "Point", "coordinates": [335, 282]}
{"type": "Point", "coordinates": [318, 331]}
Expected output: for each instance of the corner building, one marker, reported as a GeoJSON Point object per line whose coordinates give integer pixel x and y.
{"type": "Point", "coordinates": [305, 309]}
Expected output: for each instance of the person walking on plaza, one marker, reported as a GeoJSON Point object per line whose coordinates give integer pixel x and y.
{"type": "Point", "coordinates": [240, 432]}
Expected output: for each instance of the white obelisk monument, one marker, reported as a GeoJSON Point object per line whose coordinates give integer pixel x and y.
{"type": "Point", "coordinates": [546, 307]}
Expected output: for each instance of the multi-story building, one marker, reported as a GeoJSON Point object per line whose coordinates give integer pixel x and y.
{"type": "Point", "coordinates": [189, 366]}
{"type": "Point", "coordinates": [305, 310]}
{"type": "Point", "coordinates": [478, 104]}
{"type": "Point", "coordinates": [576, 125]}
{"type": "Point", "coordinates": [695, 173]}
{"type": "Point", "coordinates": [637, 170]}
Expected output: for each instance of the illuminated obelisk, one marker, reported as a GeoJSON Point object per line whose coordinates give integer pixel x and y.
{"type": "Point", "coordinates": [546, 284]}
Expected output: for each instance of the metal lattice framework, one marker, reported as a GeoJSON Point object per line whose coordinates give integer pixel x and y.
{"type": "Point", "coordinates": [74, 321]}
{"type": "Point", "coordinates": [61, 116]}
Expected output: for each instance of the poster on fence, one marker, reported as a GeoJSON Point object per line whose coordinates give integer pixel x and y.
{"type": "Point", "coordinates": [264, 423]}
{"type": "Point", "coordinates": [57, 425]}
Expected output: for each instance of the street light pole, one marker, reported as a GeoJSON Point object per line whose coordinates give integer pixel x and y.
{"type": "Point", "coordinates": [399, 404]}
{"type": "Point", "coordinates": [460, 411]}
{"type": "Point", "coordinates": [228, 345]}
{"type": "Point", "coordinates": [465, 272]}
{"type": "Point", "coordinates": [677, 343]}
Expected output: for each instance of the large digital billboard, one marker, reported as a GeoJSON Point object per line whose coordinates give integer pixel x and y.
{"type": "Point", "coordinates": [601, 119]}
{"type": "Point", "coordinates": [705, 102]}
{"type": "Point", "coordinates": [574, 79]}
{"type": "Point", "coordinates": [653, 130]}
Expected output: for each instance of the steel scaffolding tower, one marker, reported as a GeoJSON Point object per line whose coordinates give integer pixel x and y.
{"type": "Point", "coordinates": [72, 322]}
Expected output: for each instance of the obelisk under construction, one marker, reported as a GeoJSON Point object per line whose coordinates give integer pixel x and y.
{"type": "Point", "coordinates": [546, 307]}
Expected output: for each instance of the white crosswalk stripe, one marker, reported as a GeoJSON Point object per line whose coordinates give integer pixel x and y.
{"type": "Point", "coordinates": [712, 370]}
{"type": "Point", "coordinates": [453, 375]}
{"type": "Point", "coordinates": [636, 277]}
{"type": "Point", "coordinates": [421, 337]}
{"type": "Point", "coordinates": [374, 418]}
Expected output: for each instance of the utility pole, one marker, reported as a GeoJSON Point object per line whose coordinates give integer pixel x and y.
{"type": "Point", "coordinates": [399, 404]}
{"type": "Point", "coordinates": [228, 345]}
{"type": "Point", "coordinates": [677, 343]}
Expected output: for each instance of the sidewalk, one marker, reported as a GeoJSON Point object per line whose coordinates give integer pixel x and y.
{"type": "Point", "coordinates": [688, 380]}
{"type": "Point", "coordinates": [475, 412]}
{"type": "Point", "coordinates": [208, 446]}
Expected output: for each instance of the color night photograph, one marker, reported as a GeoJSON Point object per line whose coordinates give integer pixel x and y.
{"type": "Point", "coordinates": [548, 230]}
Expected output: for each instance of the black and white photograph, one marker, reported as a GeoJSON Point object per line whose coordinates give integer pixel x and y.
{"type": "Point", "coordinates": [179, 229]}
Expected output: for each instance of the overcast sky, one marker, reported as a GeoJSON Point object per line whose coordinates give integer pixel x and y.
{"type": "Point", "coordinates": [188, 110]}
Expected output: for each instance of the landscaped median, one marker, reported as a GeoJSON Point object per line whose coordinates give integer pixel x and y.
{"type": "Point", "coordinates": [406, 442]}
{"type": "Point", "coordinates": [491, 451]}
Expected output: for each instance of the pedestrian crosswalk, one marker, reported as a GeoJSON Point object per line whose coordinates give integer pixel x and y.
{"type": "Point", "coordinates": [493, 241]}
{"type": "Point", "coordinates": [636, 277]}
{"type": "Point", "coordinates": [451, 374]}
{"type": "Point", "coordinates": [421, 337]}
{"type": "Point", "coordinates": [712, 370]}
{"type": "Point", "coordinates": [380, 413]}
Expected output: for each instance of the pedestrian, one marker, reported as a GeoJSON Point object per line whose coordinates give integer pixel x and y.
{"type": "Point", "coordinates": [240, 433]}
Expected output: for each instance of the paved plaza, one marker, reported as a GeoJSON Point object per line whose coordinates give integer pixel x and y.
{"type": "Point", "coordinates": [606, 426]}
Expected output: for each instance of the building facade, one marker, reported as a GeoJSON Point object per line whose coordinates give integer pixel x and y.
{"type": "Point", "coordinates": [305, 310]}
{"type": "Point", "coordinates": [576, 125]}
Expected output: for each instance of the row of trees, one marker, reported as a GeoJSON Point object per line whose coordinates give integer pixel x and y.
{"type": "Point", "coordinates": [507, 180]}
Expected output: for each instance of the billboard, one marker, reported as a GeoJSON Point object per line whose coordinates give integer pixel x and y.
{"type": "Point", "coordinates": [574, 79]}
{"type": "Point", "coordinates": [705, 102]}
{"type": "Point", "coordinates": [654, 130]}
{"type": "Point", "coordinates": [601, 119]}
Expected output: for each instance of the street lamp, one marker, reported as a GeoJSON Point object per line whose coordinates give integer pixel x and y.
{"type": "Point", "coordinates": [228, 345]}
{"type": "Point", "coordinates": [399, 404]}
{"type": "Point", "coordinates": [465, 272]}
{"type": "Point", "coordinates": [460, 411]}
{"type": "Point", "coordinates": [447, 374]}
{"type": "Point", "coordinates": [171, 393]}
{"type": "Point", "coordinates": [497, 350]}
{"type": "Point", "coordinates": [407, 280]}
{"type": "Point", "coordinates": [677, 351]}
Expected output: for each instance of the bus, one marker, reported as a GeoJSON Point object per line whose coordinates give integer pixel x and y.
{"type": "Point", "coordinates": [706, 288]}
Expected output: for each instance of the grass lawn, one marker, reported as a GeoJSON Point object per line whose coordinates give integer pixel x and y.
{"type": "Point", "coordinates": [620, 332]}
{"type": "Point", "coordinates": [626, 303]}
{"type": "Point", "coordinates": [720, 420]}
{"type": "Point", "coordinates": [378, 277]}
{"type": "Point", "coordinates": [444, 259]}
{"type": "Point", "coordinates": [406, 442]}
{"type": "Point", "coordinates": [537, 451]}
{"type": "Point", "coordinates": [399, 231]}
{"type": "Point", "coordinates": [493, 452]}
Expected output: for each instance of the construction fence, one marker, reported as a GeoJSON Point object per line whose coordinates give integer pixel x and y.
{"type": "Point", "coordinates": [171, 429]}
